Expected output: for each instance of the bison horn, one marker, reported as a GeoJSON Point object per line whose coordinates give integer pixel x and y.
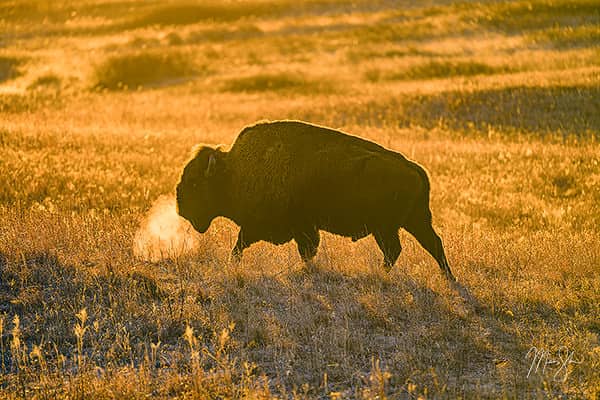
{"type": "Point", "coordinates": [211, 165]}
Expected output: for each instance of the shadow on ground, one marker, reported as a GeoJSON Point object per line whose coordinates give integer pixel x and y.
{"type": "Point", "coordinates": [324, 328]}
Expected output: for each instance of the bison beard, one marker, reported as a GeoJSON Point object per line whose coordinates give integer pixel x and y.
{"type": "Point", "coordinates": [287, 180]}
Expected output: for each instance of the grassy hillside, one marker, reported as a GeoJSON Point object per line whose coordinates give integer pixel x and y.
{"type": "Point", "coordinates": [101, 102]}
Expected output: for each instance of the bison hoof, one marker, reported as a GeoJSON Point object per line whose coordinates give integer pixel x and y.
{"type": "Point", "coordinates": [310, 266]}
{"type": "Point", "coordinates": [235, 259]}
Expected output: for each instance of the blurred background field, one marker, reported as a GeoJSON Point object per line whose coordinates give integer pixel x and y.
{"type": "Point", "coordinates": [101, 102]}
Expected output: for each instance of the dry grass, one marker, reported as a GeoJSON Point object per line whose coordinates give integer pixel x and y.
{"type": "Point", "coordinates": [438, 69]}
{"type": "Point", "coordinates": [520, 15]}
{"type": "Point", "coordinates": [183, 13]}
{"type": "Point", "coordinates": [9, 67]}
{"type": "Point", "coordinates": [46, 81]}
{"type": "Point", "coordinates": [142, 69]}
{"type": "Point", "coordinates": [569, 37]}
{"type": "Point", "coordinates": [285, 81]}
{"type": "Point", "coordinates": [498, 100]}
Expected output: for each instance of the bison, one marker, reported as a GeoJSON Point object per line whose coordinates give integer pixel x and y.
{"type": "Point", "coordinates": [287, 180]}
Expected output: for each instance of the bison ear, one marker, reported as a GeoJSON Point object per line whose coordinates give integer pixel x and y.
{"type": "Point", "coordinates": [211, 167]}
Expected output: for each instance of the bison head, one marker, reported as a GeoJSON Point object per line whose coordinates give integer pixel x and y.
{"type": "Point", "coordinates": [198, 191]}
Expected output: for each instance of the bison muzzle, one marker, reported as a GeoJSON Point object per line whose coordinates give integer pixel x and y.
{"type": "Point", "coordinates": [287, 180]}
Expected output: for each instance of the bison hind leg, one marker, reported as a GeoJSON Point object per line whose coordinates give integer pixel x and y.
{"type": "Point", "coordinates": [308, 243]}
{"type": "Point", "coordinates": [425, 234]}
{"type": "Point", "coordinates": [389, 243]}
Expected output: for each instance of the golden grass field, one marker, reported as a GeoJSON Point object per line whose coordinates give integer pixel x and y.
{"type": "Point", "coordinates": [101, 102]}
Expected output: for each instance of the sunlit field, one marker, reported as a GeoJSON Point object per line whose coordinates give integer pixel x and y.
{"type": "Point", "coordinates": [103, 296]}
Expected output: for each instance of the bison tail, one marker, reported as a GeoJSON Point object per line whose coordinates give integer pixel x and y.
{"type": "Point", "coordinates": [420, 208]}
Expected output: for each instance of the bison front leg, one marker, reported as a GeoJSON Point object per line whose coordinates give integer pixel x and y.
{"type": "Point", "coordinates": [389, 243]}
{"type": "Point", "coordinates": [308, 242]}
{"type": "Point", "coordinates": [243, 241]}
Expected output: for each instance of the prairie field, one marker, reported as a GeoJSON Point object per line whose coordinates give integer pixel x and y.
{"type": "Point", "coordinates": [102, 101]}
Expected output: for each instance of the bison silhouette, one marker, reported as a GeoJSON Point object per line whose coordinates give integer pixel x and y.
{"type": "Point", "coordinates": [287, 180]}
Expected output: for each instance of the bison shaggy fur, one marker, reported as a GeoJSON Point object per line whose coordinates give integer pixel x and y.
{"type": "Point", "coordinates": [287, 180]}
